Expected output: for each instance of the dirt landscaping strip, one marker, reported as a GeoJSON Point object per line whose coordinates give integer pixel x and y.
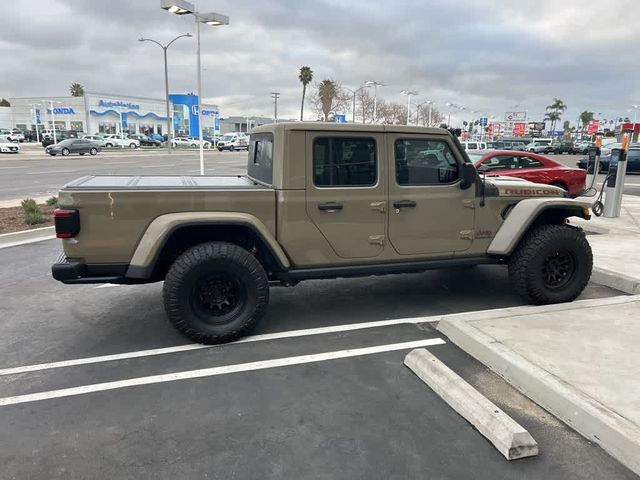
{"type": "Point", "coordinates": [12, 219]}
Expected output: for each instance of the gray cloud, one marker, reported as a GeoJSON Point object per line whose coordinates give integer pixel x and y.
{"type": "Point", "coordinates": [487, 55]}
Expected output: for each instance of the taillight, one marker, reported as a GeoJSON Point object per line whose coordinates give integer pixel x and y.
{"type": "Point", "coordinates": [67, 222]}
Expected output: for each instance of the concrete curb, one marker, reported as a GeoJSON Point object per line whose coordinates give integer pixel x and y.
{"type": "Point", "coordinates": [615, 434]}
{"type": "Point", "coordinates": [508, 436]}
{"type": "Point", "coordinates": [24, 237]}
{"type": "Point", "coordinates": [621, 282]}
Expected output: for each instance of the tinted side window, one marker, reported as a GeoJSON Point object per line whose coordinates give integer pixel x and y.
{"type": "Point", "coordinates": [501, 162]}
{"type": "Point", "coordinates": [528, 162]}
{"type": "Point", "coordinates": [424, 162]}
{"type": "Point", "coordinates": [342, 161]}
{"type": "Point", "coordinates": [260, 164]}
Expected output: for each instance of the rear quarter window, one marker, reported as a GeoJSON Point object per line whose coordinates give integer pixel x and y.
{"type": "Point", "coordinates": [260, 165]}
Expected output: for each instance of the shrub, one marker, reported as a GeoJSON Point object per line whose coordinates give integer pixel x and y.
{"type": "Point", "coordinates": [52, 201]}
{"type": "Point", "coordinates": [29, 205]}
{"type": "Point", "coordinates": [34, 217]}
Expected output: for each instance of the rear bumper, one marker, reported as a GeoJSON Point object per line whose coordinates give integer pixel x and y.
{"type": "Point", "coordinates": [78, 272]}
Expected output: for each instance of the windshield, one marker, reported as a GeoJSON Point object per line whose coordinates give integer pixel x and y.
{"type": "Point", "coordinates": [474, 157]}
{"type": "Point", "coordinates": [227, 138]}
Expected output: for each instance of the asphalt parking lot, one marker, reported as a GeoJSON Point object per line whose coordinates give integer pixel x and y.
{"type": "Point", "coordinates": [315, 393]}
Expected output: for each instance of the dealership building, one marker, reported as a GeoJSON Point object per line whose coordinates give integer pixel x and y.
{"type": "Point", "coordinates": [105, 113]}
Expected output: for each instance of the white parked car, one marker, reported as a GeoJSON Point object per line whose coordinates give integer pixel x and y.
{"type": "Point", "coordinates": [189, 142]}
{"type": "Point", "coordinates": [12, 135]}
{"type": "Point", "coordinates": [233, 141]}
{"type": "Point", "coordinates": [114, 140]}
{"type": "Point", "coordinates": [8, 146]}
{"type": "Point", "coordinates": [473, 145]}
{"type": "Point", "coordinates": [99, 140]}
{"type": "Point", "coordinates": [540, 146]}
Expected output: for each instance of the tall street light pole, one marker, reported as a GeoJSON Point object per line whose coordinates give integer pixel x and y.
{"type": "Point", "coordinates": [53, 118]}
{"type": "Point", "coordinates": [354, 93]}
{"type": "Point", "coordinates": [275, 96]}
{"type": "Point", "coordinates": [375, 84]}
{"type": "Point", "coordinates": [182, 7]}
{"type": "Point", "coordinates": [166, 80]}
{"type": "Point", "coordinates": [408, 93]}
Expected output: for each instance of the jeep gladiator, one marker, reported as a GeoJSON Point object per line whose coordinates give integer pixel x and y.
{"type": "Point", "coordinates": [320, 200]}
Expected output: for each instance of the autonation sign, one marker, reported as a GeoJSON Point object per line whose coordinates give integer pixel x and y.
{"type": "Point", "coordinates": [118, 104]}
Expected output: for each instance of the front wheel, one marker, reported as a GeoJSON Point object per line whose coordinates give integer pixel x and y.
{"type": "Point", "coordinates": [65, 152]}
{"type": "Point", "coordinates": [215, 292]}
{"type": "Point", "coordinates": [552, 264]}
{"type": "Point", "coordinates": [93, 151]}
{"type": "Point", "coordinates": [132, 145]}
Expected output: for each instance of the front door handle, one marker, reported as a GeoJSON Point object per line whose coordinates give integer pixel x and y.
{"type": "Point", "coordinates": [330, 206]}
{"type": "Point", "coordinates": [404, 204]}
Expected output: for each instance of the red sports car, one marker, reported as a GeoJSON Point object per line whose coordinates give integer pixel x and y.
{"type": "Point", "coordinates": [530, 166]}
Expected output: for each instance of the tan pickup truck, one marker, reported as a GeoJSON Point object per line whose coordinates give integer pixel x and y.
{"type": "Point", "coordinates": [319, 200]}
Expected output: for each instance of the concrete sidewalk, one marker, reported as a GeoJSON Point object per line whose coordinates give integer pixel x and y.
{"type": "Point", "coordinates": [579, 360]}
{"type": "Point", "coordinates": [616, 246]}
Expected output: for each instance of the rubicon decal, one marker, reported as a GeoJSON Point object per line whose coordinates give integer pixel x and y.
{"type": "Point", "coordinates": [529, 192]}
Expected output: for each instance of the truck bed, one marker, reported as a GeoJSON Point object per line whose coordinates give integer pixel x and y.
{"type": "Point", "coordinates": [161, 182]}
{"type": "Point", "coordinates": [115, 210]}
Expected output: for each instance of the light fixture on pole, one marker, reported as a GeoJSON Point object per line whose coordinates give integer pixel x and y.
{"type": "Point", "coordinates": [36, 118]}
{"type": "Point", "coordinates": [275, 96]}
{"type": "Point", "coordinates": [166, 80]}
{"type": "Point", "coordinates": [426, 102]}
{"type": "Point", "coordinates": [53, 118]}
{"type": "Point", "coordinates": [354, 93]}
{"type": "Point", "coordinates": [375, 84]}
{"type": "Point", "coordinates": [182, 7]}
{"type": "Point", "coordinates": [408, 93]}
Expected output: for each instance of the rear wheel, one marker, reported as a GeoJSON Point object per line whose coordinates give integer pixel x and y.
{"type": "Point", "coordinates": [109, 145]}
{"type": "Point", "coordinates": [215, 292]}
{"type": "Point", "coordinates": [552, 264]}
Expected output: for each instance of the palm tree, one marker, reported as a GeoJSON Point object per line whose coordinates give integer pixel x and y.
{"type": "Point", "coordinates": [557, 107]}
{"type": "Point", "coordinates": [553, 117]}
{"type": "Point", "coordinates": [585, 118]}
{"type": "Point", "coordinates": [327, 93]}
{"type": "Point", "coordinates": [76, 90]}
{"type": "Point", "coordinates": [305, 77]}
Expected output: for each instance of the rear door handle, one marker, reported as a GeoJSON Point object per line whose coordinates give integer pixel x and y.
{"type": "Point", "coordinates": [330, 206]}
{"type": "Point", "coordinates": [404, 204]}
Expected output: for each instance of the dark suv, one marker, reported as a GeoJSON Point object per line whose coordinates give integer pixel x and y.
{"type": "Point", "coordinates": [565, 146]}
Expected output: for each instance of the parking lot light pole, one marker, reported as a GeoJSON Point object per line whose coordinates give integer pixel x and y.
{"type": "Point", "coordinates": [53, 118]}
{"type": "Point", "coordinates": [182, 7]}
{"type": "Point", "coordinates": [408, 93]}
{"type": "Point", "coordinates": [166, 80]}
{"type": "Point", "coordinates": [375, 84]}
{"type": "Point", "coordinates": [275, 96]}
{"type": "Point", "coordinates": [354, 93]}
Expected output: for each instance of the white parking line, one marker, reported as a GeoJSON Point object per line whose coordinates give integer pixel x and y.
{"type": "Point", "coordinates": [197, 346]}
{"type": "Point", "coordinates": [6, 168]}
{"type": "Point", "coordinates": [224, 370]}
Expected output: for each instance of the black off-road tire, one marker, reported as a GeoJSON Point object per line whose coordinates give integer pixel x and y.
{"type": "Point", "coordinates": [533, 266]}
{"type": "Point", "coordinates": [193, 284]}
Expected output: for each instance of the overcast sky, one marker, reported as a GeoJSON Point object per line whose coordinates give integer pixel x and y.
{"type": "Point", "coordinates": [488, 55]}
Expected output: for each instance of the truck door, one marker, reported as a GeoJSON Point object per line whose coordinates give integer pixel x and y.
{"type": "Point", "coordinates": [428, 211]}
{"type": "Point", "coordinates": [346, 191]}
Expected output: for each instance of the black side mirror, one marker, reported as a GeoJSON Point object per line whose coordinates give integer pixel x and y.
{"type": "Point", "coordinates": [468, 175]}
